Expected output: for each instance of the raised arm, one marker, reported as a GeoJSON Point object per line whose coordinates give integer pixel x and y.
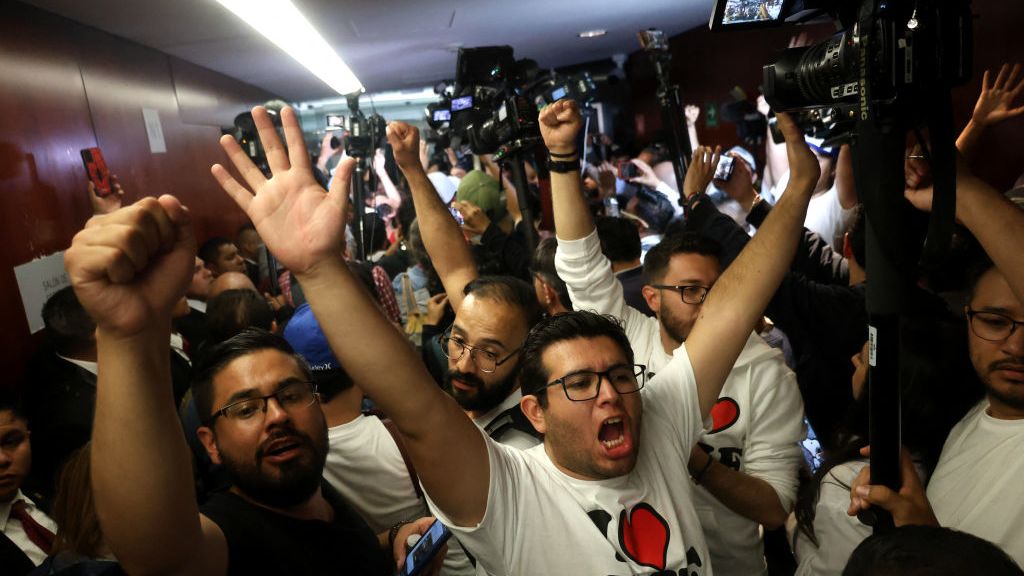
{"type": "Point", "coordinates": [993, 106]}
{"type": "Point", "coordinates": [845, 186]}
{"type": "Point", "coordinates": [740, 296]}
{"type": "Point", "coordinates": [302, 225]}
{"type": "Point", "coordinates": [442, 236]}
{"type": "Point", "coordinates": [559, 123]}
{"type": "Point", "coordinates": [129, 268]}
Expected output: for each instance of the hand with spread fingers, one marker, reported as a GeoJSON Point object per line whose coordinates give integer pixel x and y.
{"type": "Point", "coordinates": [300, 222]}
{"type": "Point", "coordinates": [559, 123]}
{"type": "Point", "coordinates": [130, 267]}
{"type": "Point", "coordinates": [702, 169]}
{"type": "Point", "coordinates": [908, 506]}
{"type": "Point", "coordinates": [995, 103]}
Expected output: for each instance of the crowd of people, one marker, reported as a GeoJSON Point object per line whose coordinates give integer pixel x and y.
{"type": "Point", "coordinates": [629, 392]}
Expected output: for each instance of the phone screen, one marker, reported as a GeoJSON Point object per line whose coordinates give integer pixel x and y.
{"type": "Point", "coordinates": [724, 170]}
{"type": "Point", "coordinates": [96, 170]}
{"type": "Point", "coordinates": [423, 553]}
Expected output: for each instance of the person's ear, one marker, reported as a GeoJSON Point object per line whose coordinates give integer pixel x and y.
{"type": "Point", "coordinates": [847, 247]}
{"type": "Point", "coordinates": [534, 412]}
{"type": "Point", "coordinates": [206, 436]}
{"type": "Point", "coordinates": [653, 298]}
{"type": "Point", "coordinates": [273, 327]}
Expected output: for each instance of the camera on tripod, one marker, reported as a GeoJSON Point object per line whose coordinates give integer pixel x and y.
{"type": "Point", "coordinates": [365, 133]}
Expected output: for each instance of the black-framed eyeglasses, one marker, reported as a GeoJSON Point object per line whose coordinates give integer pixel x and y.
{"type": "Point", "coordinates": [293, 396]}
{"type": "Point", "coordinates": [585, 385]}
{"type": "Point", "coordinates": [690, 293]}
{"type": "Point", "coordinates": [454, 347]}
{"type": "Point", "coordinates": [992, 326]}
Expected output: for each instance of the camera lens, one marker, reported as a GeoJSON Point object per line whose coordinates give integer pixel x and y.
{"type": "Point", "coordinates": [811, 76]}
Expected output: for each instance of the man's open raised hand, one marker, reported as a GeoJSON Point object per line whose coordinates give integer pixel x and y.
{"type": "Point", "coordinates": [300, 222]}
{"type": "Point", "coordinates": [559, 124]}
{"type": "Point", "coordinates": [130, 267]}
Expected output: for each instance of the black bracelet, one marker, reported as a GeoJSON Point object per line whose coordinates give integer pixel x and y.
{"type": "Point", "coordinates": [566, 167]}
{"type": "Point", "coordinates": [393, 533]}
{"type": "Point", "coordinates": [569, 155]}
{"type": "Point", "coordinates": [697, 478]}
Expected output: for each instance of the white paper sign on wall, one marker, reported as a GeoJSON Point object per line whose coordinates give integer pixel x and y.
{"type": "Point", "coordinates": [37, 281]}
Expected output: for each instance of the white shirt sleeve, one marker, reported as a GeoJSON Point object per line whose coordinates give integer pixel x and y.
{"type": "Point", "coordinates": [592, 285]}
{"type": "Point", "coordinates": [773, 451]}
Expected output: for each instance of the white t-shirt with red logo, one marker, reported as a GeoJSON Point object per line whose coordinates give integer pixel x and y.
{"type": "Point", "coordinates": [541, 521]}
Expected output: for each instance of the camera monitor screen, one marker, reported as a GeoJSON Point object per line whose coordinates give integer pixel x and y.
{"type": "Point", "coordinates": [463, 103]}
{"type": "Point", "coordinates": [335, 121]}
{"type": "Point", "coordinates": [442, 115]}
{"type": "Point", "coordinates": [748, 13]}
{"type": "Point", "coordinates": [558, 93]}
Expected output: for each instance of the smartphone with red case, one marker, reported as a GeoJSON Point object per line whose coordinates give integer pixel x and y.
{"type": "Point", "coordinates": [96, 169]}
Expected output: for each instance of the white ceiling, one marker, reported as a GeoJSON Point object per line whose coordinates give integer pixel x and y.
{"type": "Point", "coordinates": [389, 44]}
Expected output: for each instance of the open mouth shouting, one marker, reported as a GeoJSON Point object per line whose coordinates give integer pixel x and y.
{"type": "Point", "coordinates": [615, 437]}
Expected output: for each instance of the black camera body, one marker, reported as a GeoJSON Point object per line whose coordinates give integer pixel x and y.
{"type": "Point", "coordinates": [891, 55]}
{"type": "Point", "coordinates": [365, 133]}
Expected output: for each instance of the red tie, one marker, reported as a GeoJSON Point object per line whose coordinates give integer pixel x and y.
{"type": "Point", "coordinates": [37, 533]}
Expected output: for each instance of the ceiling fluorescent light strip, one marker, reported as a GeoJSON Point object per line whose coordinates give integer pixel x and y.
{"type": "Point", "coordinates": [282, 23]}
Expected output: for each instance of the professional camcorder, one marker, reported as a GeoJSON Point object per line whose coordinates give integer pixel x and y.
{"type": "Point", "coordinates": [892, 52]}
{"type": "Point", "coordinates": [494, 103]}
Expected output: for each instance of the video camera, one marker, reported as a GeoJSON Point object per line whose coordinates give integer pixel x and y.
{"type": "Point", "coordinates": [898, 52]}
{"type": "Point", "coordinates": [365, 133]}
{"type": "Point", "coordinates": [494, 103]}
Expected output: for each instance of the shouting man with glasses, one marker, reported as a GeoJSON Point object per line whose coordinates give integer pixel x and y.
{"type": "Point", "coordinates": [744, 467]}
{"type": "Point", "coordinates": [614, 460]}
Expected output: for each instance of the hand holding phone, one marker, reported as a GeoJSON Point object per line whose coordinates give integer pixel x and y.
{"type": "Point", "coordinates": [97, 171]}
{"type": "Point", "coordinates": [422, 555]}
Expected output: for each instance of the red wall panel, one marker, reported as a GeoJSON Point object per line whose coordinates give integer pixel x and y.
{"type": "Point", "coordinates": [68, 87]}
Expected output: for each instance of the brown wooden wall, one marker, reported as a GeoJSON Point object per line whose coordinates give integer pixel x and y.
{"type": "Point", "coordinates": [707, 66]}
{"type": "Point", "coordinates": [64, 87]}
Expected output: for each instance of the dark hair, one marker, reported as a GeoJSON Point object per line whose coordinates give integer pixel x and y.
{"type": "Point", "coordinates": [978, 264]}
{"type": "Point", "coordinates": [68, 326]}
{"type": "Point", "coordinates": [509, 290]}
{"type": "Point", "coordinates": [406, 215]}
{"type": "Point", "coordinates": [245, 228]}
{"type": "Point", "coordinates": [856, 235]}
{"type": "Point", "coordinates": [375, 233]}
{"type": "Point", "coordinates": [544, 265]}
{"type": "Point", "coordinates": [579, 324]}
{"type": "Point", "coordinates": [74, 509]}
{"type": "Point", "coordinates": [937, 390]}
{"type": "Point", "coordinates": [620, 239]}
{"type": "Point", "coordinates": [210, 249]}
{"type": "Point", "coordinates": [14, 404]}
{"type": "Point", "coordinates": [217, 357]}
{"type": "Point", "coordinates": [232, 311]}
{"type": "Point", "coordinates": [658, 258]}
{"type": "Point", "coordinates": [928, 551]}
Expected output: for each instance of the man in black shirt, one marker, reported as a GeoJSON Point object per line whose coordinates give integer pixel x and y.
{"type": "Point", "coordinates": [262, 421]}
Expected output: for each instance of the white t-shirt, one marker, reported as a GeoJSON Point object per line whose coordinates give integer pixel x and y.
{"type": "Point", "coordinates": [825, 215]}
{"type": "Point", "coordinates": [837, 532]}
{"type": "Point", "coordinates": [366, 467]}
{"type": "Point", "coordinates": [978, 484]}
{"type": "Point", "coordinates": [541, 521]}
{"type": "Point", "coordinates": [766, 409]}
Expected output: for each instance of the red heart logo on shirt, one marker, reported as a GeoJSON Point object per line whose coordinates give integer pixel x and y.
{"type": "Point", "coordinates": [724, 414]}
{"type": "Point", "coordinates": [644, 536]}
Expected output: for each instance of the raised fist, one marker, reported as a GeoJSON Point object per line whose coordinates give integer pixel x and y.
{"type": "Point", "coordinates": [405, 141]}
{"type": "Point", "coordinates": [559, 124]}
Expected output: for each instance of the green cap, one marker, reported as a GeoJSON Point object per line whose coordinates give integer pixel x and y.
{"type": "Point", "coordinates": [481, 189]}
